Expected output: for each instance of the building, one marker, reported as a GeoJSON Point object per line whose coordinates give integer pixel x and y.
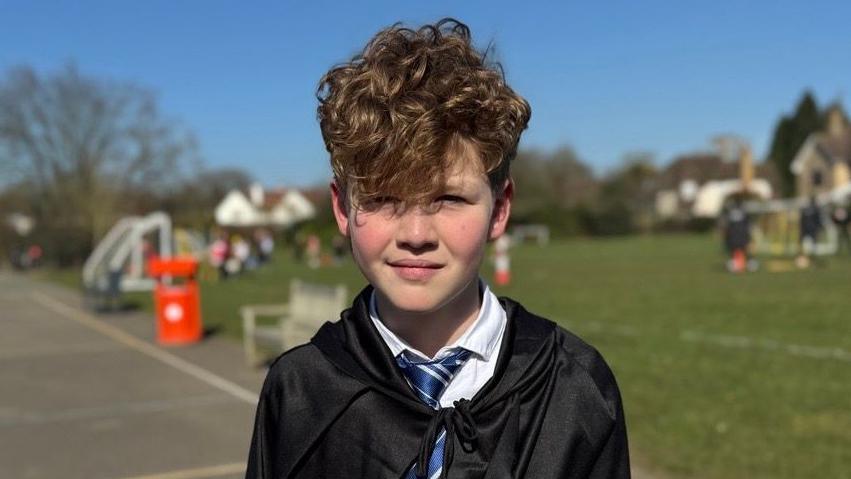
{"type": "Point", "coordinates": [20, 223]}
{"type": "Point", "coordinates": [277, 208]}
{"type": "Point", "coordinates": [697, 185]}
{"type": "Point", "coordinates": [823, 163]}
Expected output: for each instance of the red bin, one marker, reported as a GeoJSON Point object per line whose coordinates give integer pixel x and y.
{"type": "Point", "coordinates": [178, 305]}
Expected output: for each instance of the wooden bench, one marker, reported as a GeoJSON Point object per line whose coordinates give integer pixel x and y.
{"type": "Point", "coordinates": [309, 307]}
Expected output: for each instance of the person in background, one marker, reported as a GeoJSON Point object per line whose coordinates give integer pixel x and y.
{"type": "Point", "coordinates": [737, 237]}
{"type": "Point", "coordinates": [841, 219]}
{"type": "Point", "coordinates": [338, 247]}
{"type": "Point", "coordinates": [313, 251]}
{"type": "Point", "coordinates": [34, 253]}
{"type": "Point", "coordinates": [265, 245]}
{"type": "Point", "coordinates": [810, 227]}
{"type": "Point", "coordinates": [218, 254]}
{"type": "Point", "coordinates": [241, 253]}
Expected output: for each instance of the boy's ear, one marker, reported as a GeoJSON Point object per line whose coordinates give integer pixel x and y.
{"type": "Point", "coordinates": [340, 207]}
{"type": "Point", "coordinates": [501, 210]}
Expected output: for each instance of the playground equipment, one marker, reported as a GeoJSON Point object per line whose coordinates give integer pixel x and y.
{"type": "Point", "coordinates": [539, 233]}
{"type": "Point", "coordinates": [776, 230]}
{"type": "Point", "coordinates": [189, 243]}
{"type": "Point", "coordinates": [117, 264]}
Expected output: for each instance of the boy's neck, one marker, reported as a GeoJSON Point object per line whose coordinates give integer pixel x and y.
{"type": "Point", "coordinates": [428, 332]}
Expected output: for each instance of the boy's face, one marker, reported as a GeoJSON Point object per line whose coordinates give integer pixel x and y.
{"type": "Point", "coordinates": [427, 259]}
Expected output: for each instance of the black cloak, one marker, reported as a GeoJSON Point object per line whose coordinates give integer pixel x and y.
{"type": "Point", "coordinates": [340, 407]}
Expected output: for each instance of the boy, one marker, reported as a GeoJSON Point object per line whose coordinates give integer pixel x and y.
{"type": "Point", "coordinates": [428, 374]}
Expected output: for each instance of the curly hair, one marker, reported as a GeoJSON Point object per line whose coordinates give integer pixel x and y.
{"type": "Point", "coordinates": [392, 117]}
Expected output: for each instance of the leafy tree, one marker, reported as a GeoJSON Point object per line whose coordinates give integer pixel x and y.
{"type": "Point", "coordinates": [789, 135]}
{"type": "Point", "coordinates": [626, 197]}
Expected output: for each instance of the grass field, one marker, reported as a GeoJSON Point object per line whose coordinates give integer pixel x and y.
{"type": "Point", "coordinates": [723, 376]}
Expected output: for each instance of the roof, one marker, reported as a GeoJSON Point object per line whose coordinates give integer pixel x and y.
{"type": "Point", "coordinates": [834, 148]}
{"type": "Point", "coordinates": [704, 167]}
{"type": "Point", "coordinates": [831, 148]}
{"type": "Point", "coordinates": [280, 206]}
{"type": "Point", "coordinates": [272, 197]}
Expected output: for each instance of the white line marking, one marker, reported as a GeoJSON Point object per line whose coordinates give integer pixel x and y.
{"type": "Point", "coordinates": [212, 471]}
{"type": "Point", "coordinates": [744, 342]}
{"type": "Point", "coordinates": [600, 327]}
{"type": "Point", "coordinates": [111, 411]}
{"type": "Point", "coordinates": [148, 349]}
{"type": "Point", "coordinates": [42, 351]}
{"type": "Point", "coordinates": [727, 341]}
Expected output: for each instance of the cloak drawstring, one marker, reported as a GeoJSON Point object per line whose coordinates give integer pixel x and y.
{"type": "Point", "coordinates": [458, 421]}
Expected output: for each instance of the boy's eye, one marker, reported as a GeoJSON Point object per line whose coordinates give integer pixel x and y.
{"type": "Point", "coordinates": [451, 199]}
{"type": "Point", "coordinates": [380, 202]}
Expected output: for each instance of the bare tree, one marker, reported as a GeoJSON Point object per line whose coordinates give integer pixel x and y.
{"type": "Point", "coordinates": [83, 143]}
{"type": "Point", "coordinates": [546, 180]}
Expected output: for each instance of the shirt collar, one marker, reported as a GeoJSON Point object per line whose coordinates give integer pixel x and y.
{"type": "Point", "coordinates": [481, 338]}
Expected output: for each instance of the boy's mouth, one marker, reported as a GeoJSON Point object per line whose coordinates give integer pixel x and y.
{"type": "Point", "coordinates": [415, 269]}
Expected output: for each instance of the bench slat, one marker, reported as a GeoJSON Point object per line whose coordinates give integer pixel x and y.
{"type": "Point", "coordinates": [310, 306]}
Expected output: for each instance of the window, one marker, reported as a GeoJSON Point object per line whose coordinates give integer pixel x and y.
{"type": "Point", "coordinates": [817, 178]}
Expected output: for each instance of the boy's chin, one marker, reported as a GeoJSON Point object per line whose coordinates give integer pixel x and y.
{"type": "Point", "coordinates": [414, 300]}
{"type": "Point", "coordinates": [412, 305]}
{"type": "Point", "coordinates": [420, 299]}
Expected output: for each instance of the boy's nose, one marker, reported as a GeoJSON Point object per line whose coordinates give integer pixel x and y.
{"type": "Point", "coordinates": [415, 229]}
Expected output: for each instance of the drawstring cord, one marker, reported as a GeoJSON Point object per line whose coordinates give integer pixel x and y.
{"type": "Point", "coordinates": [458, 421]}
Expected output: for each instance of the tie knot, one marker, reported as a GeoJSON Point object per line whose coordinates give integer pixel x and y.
{"type": "Point", "coordinates": [429, 379]}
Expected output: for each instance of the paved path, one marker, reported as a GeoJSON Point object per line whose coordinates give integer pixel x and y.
{"type": "Point", "coordinates": [85, 396]}
{"type": "Point", "coordinates": [91, 396]}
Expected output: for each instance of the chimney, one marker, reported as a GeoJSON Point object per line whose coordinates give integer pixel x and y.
{"type": "Point", "coordinates": [835, 122]}
{"type": "Point", "coordinates": [255, 194]}
{"type": "Point", "coordinates": [746, 172]}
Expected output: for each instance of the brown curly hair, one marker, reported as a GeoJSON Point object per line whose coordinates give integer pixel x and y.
{"type": "Point", "coordinates": [393, 116]}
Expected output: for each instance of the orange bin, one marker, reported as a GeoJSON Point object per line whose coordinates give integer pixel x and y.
{"type": "Point", "coordinates": [178, 306]}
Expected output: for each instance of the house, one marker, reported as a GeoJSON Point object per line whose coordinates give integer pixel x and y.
{"type": "Point", "coordinates": [711, 196]}
{"type": "Point", "coordinates": [697, 185]}
{"type": "Point", "coordinates": [277, 208]}
{"type": "Point", "coordinates": [20, 223]}
{"type": "Point", "coordinates": [823, 163]}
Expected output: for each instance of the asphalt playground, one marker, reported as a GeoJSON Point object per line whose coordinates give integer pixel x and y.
{"type": "Point", "coordinates": [86, 395]}
{"type": "Point", "coordinates": [92, 396]}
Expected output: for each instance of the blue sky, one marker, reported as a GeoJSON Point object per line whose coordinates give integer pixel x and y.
{"type": "Point", "coordinates": [606, 78]}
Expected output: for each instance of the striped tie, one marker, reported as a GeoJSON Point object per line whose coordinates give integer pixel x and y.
{"type": "Point", "coordinates": [429, 379]}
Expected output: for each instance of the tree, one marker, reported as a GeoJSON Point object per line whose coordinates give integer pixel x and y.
{"type": "Point", "coordinates": [626, 197]}
{"type": "Point", "coordinates": [193, 202]}
{"type": "Point", "coordinates": [83, 143]}
{"type": "Point", "coordinates": [552, 189]}
{"type": "Point", "coordinates": [789, 135]}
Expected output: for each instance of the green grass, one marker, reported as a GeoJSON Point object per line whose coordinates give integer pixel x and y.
{"type": "Point", "coordinates": [702, 409]}
{"type": "Point", "coordinates": [717, 371]}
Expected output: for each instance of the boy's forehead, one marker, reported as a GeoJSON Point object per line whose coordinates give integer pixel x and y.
{"type": "Point", "coordinates": [455, 176]}
{"type": "Point", "coordinates": [461, 166]}
{"type": "Point", "coordinates": [464, 171]}
{"type": "Point", "coordinates": [459, 170]}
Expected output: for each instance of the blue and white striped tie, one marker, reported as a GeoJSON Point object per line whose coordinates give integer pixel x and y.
{"type": "Point", "coordinates": [429, 379]}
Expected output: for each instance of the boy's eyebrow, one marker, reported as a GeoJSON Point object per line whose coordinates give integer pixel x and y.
{"type": "Point", "coordinates": [455, 182]}
{"type": "Point", "coordinates": [449, 187]}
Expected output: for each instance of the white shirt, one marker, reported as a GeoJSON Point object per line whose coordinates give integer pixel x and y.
{"type": "Point", "coordinates": [483, 338]}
